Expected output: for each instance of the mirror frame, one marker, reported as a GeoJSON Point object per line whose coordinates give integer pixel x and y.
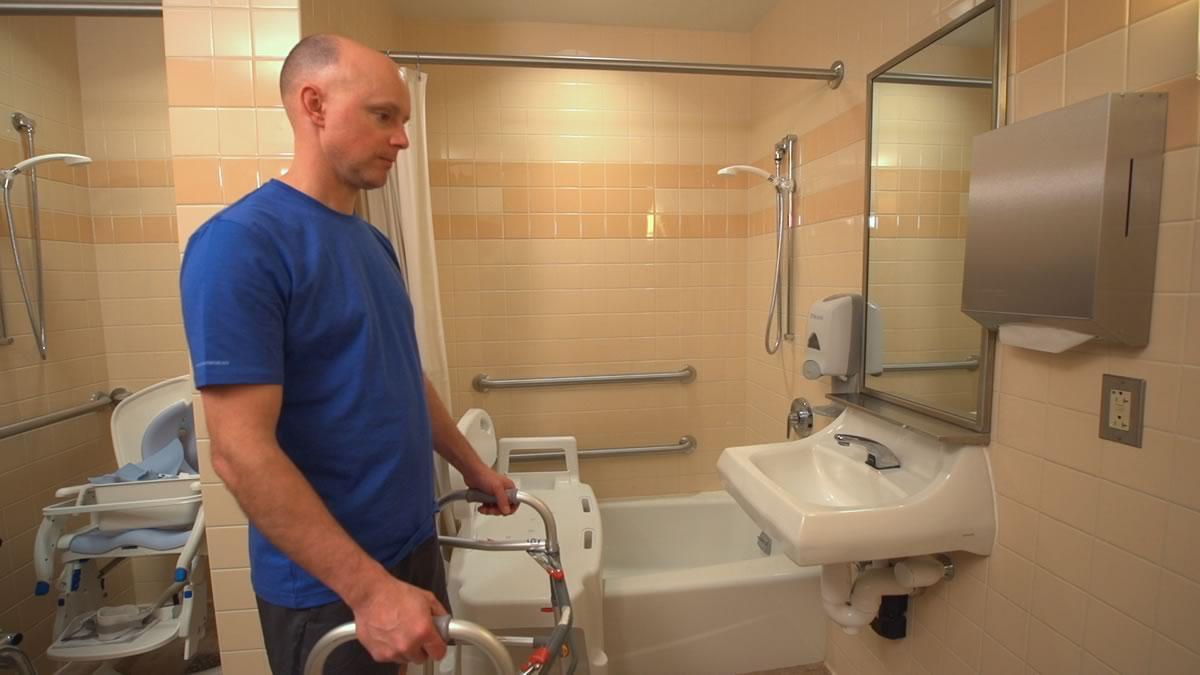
{"type": "Point", "coordinates": [987, 348]}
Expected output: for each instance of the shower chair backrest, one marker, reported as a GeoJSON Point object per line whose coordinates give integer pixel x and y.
{"type": "Point", "coordinates": [150, 418]}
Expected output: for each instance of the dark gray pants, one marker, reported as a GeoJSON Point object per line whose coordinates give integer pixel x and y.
{"type": "Point", "coordinates": [291, 633]}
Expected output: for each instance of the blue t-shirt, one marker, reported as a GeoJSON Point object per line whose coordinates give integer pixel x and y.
{"type": "Point", "coordinates": [280, 289]}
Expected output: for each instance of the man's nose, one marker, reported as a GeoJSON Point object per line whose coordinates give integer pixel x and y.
{"type": "Point", "coordinates": [399, 139]}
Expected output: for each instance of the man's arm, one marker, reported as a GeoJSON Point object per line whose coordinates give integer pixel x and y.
{"type": "Point", "coordinates": [457, 450]}
{"type": "Point", "coordinates": [394, 618]}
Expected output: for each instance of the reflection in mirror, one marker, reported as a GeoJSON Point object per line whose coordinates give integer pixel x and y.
{"type": "Point", "coordinates": [924, 112]}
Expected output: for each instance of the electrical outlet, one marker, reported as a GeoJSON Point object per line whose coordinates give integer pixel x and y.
{"type": "Point", "coordinates": [1122, 406]}
{"type": "Point", "coordinates": [1118, 409]}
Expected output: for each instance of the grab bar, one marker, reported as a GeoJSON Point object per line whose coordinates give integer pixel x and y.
{"type": "Point", "coordinates": [685, 445]}
{"type": "Point", "coordinates": [482, 383]}
{"type": "Point", "coordinates": [99, 401]}
{"type": "Point", "coordinates": [968, 364]}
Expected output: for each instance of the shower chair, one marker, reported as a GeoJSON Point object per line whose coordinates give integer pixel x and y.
{"type": "Point", "coordinates": [157, 518]}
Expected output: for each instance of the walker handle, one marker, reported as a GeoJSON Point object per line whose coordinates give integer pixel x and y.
{"type": "Point", "coordinates": [447, 627]}
{"type": "Point", "coordinates": [481, 497]}
{"type": "Point", "coordinates": [514, 497]}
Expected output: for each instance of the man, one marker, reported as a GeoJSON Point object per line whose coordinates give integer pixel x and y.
{"type": "Point", "coordinates": [321, 420]}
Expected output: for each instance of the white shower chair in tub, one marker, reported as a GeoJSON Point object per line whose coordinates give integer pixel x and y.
{"type": "Point", "coordinates": [147, 518]}
{"type": "Point", "coordinates": [503, 592]}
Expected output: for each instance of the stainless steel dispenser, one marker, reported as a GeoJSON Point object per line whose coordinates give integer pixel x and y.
{"type": "Point", "coordinates": [1063, 211]}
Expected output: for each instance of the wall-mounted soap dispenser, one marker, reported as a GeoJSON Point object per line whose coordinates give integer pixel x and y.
{"type": "Point", "coordinates": [834, 342]}
{"type": "Point", "coordinates": [1063, 233]}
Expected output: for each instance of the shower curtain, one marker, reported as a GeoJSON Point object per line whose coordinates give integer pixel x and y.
{"type": "Point", "coordinates": [402, 209]}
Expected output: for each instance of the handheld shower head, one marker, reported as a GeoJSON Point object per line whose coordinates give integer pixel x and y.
{"type": "Point", "coordinates": [70, 159]}
{"type": "Point", "coordinates": [744, 168]}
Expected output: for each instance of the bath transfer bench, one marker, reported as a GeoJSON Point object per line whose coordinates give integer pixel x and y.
{"type": "Point", "coordinates": [547, 649]}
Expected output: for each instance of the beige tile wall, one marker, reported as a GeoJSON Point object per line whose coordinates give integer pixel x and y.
{"type": "Point", "coordinates": [1095, 571]}
{"type": "Point", "coordinates": [124, 99]}
{"type": "Point", "coordinates": [39, 76]}
{"type": "Point", "coordinates": [582, 229]}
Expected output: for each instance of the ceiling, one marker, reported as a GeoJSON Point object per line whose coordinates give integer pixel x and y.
{"type": "Point", "coordinates": [723, 15]}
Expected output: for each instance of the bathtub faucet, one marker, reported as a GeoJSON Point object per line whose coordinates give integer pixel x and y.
{"type": "Point", "coordinates": [879, 455]}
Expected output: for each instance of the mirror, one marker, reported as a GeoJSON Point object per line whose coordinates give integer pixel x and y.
{"type": "Point", "coordinates": [925, 106]}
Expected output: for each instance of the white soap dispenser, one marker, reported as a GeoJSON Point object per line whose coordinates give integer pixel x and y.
{"type": "Point", "coordinates": [834, 337]}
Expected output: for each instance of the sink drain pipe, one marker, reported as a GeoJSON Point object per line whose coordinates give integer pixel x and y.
{"type": "Point", "coordinates": [854, 601]}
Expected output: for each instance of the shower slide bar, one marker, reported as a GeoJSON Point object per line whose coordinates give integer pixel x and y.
{"type": "Point", "coordinates": [967, 364]}
{"type": "Point", "coordinates": [833, 74]}
{"type": "Point", "coordinates": [685, 446]}
{"type": "Point", "coordinates": [483, 383]}
{"type": "Point", "coordinates": [99, 401]}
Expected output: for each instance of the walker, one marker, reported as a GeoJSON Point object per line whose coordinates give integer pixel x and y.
{"type": "Point", "coordinates": [546, 648]}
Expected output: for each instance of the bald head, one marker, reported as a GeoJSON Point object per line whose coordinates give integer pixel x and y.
{"type": "Point", "coordinates": [347, 105]}
{"type": "Point", "coordinates": [328, 58]}
{"type": "Point", "coordinates": [310, 56]}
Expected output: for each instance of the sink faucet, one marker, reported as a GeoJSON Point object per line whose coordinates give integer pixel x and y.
{"type": "Point", "coordinates": [879, 455]}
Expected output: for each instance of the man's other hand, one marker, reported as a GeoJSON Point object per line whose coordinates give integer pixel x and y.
{"type": "Point", "coordinates": [496, 484]}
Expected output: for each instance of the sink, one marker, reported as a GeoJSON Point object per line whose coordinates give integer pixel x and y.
{"type": "Point", "coordinates": [824, 504]}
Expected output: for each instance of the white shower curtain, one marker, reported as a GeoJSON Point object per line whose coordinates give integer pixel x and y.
{"type": "Point", "coordinates": [403, 210]}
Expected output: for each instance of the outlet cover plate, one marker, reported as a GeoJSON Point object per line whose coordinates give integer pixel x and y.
{"type": "Point", "coordinates": [1124, 397]}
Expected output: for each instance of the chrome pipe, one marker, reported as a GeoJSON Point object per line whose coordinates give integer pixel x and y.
{"type": "Point", "coordinates": [685, 445]}
{"type": "Point", "coordinates": [483, 383]}
{"type": "Point", "coordinates": [449, 629]}
{"type": "Point", "coordinates": [22, 124]}
{"type": "Point", "coordinates": [935, 80]}
{"type": "Point", "coordinates": [968, 364]}
{"type": "Point", "coordinates": [81, 8]}
{"type": "Point", "coordinates": [833, 74]}
{"type": "Point", "coordinates": [100, 400]}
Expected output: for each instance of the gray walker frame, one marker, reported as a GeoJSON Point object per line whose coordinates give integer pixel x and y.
{"type": "Point", "coordinates": [546, 648]}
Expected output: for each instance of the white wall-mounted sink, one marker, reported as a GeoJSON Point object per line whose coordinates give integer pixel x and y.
{"type": "Point", "coordinates": [825, 504]}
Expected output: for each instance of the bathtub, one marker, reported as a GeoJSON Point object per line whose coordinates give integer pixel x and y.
{"type": "Point", "coordinates": [688, 592]}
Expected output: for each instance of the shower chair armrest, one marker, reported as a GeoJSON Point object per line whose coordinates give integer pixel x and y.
{"type": "Point", "coordinates": [568, 444]}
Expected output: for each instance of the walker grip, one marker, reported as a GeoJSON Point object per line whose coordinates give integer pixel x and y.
{"type": "Point", "coordinates": [441, 623]}
{"type": "Point", "coordinates": [481, 497]}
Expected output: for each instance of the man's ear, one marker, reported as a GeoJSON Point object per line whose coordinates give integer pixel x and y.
{"type": "Point", "coordinates": [312, 103]}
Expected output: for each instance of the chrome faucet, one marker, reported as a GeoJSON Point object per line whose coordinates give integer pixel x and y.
{"type": "Point", "coordinates": [802, 413]}
{"type": "Point", "coordinates": [879, 455]}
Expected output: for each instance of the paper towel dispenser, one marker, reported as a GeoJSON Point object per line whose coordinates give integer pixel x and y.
{"type": "Point", "coordinates": [1063, 220]}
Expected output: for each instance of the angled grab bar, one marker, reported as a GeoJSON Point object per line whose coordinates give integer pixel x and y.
{"type": "Point", "coordinates": [99, 401]}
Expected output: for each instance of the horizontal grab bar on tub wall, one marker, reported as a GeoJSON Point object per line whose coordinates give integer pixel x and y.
{"type": "Point", "coordinates": [483, 383]}
{"type": "Point", "coordinates": [685, 445]}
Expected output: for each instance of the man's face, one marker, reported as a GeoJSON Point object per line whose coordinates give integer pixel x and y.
{"type": "Point", "coordinates": [364, 125]}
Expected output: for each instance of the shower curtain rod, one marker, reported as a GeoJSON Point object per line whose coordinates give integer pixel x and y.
{"type": "Point", "coordinates": [833, 74]}
{"type": "Point", "coordinates": [133, 8]}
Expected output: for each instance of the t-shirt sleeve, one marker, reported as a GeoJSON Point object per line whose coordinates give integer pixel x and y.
{"type": "Point", "coordinates": [234, 289]}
